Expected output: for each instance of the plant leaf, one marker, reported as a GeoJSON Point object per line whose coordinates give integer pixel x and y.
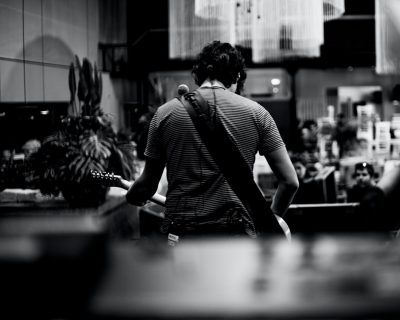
{"type": "Point", "coordinates": [87, 70]}
{"type": "Point", "coordinates": [72, 86]}
{"type": "Point", "coordinates": [82, 85]}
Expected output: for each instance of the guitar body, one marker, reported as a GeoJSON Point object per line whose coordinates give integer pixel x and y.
{"type": "Point", "coordinates": [112, 180]}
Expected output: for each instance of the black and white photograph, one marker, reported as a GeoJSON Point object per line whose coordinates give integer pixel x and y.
{"type": "Point", "coordinates": [200, 159]}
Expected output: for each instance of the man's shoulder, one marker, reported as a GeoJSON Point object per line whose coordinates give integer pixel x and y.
{"type": "Point", "coordinates": [244, 100]}
{"type": "Point", "coordinates": [168, 106]}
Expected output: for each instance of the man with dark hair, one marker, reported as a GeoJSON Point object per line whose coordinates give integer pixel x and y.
{"type": "Point", "coordinates": [199, 198]}
{"type": "Point", "coordinates": [364, 181]}
{"type": "Point", "coordinates": [377, 209]}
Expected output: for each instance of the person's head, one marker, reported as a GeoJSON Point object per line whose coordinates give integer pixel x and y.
{"type": "Point", "coordinates": [220, 61]}
{"type": "Point", "coordinates": [313, 169]}
{"type": "Point", "coordinates": [299, 164]}
{"type": "Point", "coordinates": [364, 174]}
{"type": "Point", "coordinates": [310, 124]}
{"type": "Point", "coordinates": [309, 134]}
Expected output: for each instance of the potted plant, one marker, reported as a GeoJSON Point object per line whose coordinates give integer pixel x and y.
{"type": "Point", "coordinates": [85, 141]}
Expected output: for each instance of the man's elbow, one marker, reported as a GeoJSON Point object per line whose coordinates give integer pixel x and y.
{"type": "Point", "coordinates": [292, 184]}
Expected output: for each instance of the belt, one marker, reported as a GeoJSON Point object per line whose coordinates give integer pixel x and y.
{"type": "Point", "coordinates": [177, 231]}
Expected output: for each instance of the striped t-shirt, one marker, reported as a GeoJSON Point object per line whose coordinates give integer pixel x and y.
{"type": "Point", "coordinates": [197, 192]}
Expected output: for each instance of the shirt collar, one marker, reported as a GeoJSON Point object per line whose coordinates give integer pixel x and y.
{"type": "Point", "coordinates": [212, 84]}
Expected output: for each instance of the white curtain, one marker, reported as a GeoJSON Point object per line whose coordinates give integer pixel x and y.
{"type": "Point", "coordinates": [189, 32]}
{"type": "Point", "coordinates": [273, 29]}
{"type": "Point", "coordinates": [286, 28]}
{"type": "Point", "coordinates": [387, 36]}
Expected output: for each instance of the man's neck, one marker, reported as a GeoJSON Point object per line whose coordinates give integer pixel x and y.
{"type": "Point", "coordinates": [212, 84]}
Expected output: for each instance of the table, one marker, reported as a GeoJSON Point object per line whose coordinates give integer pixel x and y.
{"type": "Point", "coordinates": [28, 211]}
{"type": "Point", "coordinates": [321, 277]}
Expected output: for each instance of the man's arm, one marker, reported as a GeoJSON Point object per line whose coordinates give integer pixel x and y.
{"type": "Point", "coordinates": [146, 185]}
{"type": "Point", "coordinates": [288, 183]}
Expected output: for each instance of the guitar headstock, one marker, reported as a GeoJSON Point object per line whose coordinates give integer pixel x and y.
{"type": "Point", "coordinates": [108, 179]}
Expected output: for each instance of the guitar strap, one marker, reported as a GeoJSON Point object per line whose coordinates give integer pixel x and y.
{"type": "Point", "coordinates": [230, 162]}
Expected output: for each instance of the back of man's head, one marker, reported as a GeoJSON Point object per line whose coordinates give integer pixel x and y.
{"type": "Point", "coordinates": [219, 61]}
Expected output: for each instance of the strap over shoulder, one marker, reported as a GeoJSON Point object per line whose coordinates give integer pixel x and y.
{"type": "Point", "coordinates": [199, 103]}
{"type": "Point", "coordinates": [200, 111]}
{"type": "Point", "coordinates": [230, 161]}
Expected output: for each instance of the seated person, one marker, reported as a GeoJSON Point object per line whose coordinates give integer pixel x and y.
{"type": "Point", "coordinates": [309, 135]}
{"type": "Point", "coordinates": [299, 164]}
{"type": "Point", "coordinates": [307, 185]}
{"type": "Point", "coordinates": [378, 202]}
{"type": "Point", "coordinates": [364, 174]}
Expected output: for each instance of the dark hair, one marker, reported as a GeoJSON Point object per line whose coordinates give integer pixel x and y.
{"type": "Point", "coordinates": [307, 124]}
{"type": "Point", "coordinates": [219, 61]}
{"type": "Point", "coordinates": [298, 158]}
{"type": "Point", "coordinates": [365, 165]}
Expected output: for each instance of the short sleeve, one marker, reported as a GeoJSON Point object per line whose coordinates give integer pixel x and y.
{"type": "Point", "coordinates": [154, 147]}
{"type": "Point", "coordinates": [270, 138]}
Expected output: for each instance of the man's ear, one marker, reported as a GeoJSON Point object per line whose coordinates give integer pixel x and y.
{"type": "Point", "coordinates": [238, 77]}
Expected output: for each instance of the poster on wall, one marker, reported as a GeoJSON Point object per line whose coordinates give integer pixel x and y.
{"type": "Point", "coordinates": [382, 140]}
{"type": "Point", "coordinates": [364, 121]}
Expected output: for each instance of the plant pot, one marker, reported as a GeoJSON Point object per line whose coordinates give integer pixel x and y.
{"type": "Point", "coordinates": [84, 195]}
